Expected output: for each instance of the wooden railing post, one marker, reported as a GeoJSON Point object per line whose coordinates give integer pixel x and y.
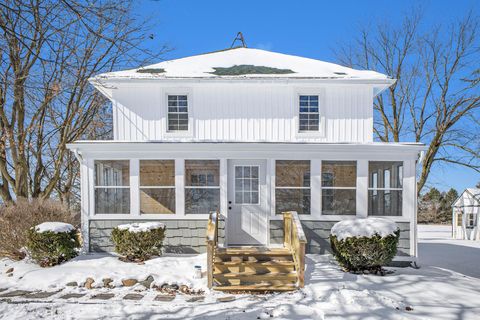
{"type": "Point", "coordinates": [287, 229]}
{"type": "Point", "coordinates": [295, 240]}
{"type": "Point", "coordinates": [212, 240]}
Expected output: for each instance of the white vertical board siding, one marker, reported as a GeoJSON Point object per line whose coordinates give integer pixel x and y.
{"type": "Point", "coordinates": [242, 112]}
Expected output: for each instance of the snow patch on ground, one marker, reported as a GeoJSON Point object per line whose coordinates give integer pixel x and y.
{"type": "Point", "coordinates": [27, 275]}
{"type": "Point", "coordinates": [141, 227]}
{"type": "Point", "coordinates": [366, 227]}
{"type": "Point", "coordinates": [55, 227]}
{"type": "Point", "coordinates": [441, 289]}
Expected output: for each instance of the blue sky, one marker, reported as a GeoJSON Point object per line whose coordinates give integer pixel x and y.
{"type": "Point", "coordinates": [306, 28]}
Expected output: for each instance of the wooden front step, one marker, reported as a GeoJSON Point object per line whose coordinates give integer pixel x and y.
{"type": "Point", "coordinates": [254, 269]}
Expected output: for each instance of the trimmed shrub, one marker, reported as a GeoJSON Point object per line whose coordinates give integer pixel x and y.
{"type": "Point", "coordinates": [367, 250]}
{"type": "Point", "coordinates": [16, 220]}
{"type": "Point", "coordinates": [139, 241]}
{"type": "Point", "coordinates": [49, 246]}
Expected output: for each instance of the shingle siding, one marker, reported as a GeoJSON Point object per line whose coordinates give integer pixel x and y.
{"type": "Point", "coordinates": [182, 236]}
{"type": "Point", "coordinates": [188, 236]}
{"type": "Point", "coordinates": [318, 232]}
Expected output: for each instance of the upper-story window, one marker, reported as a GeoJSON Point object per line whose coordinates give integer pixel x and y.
{"type": "Point", "coordinates": [177, 113]}
{"type": "Point", "coordinates": [309, 116]}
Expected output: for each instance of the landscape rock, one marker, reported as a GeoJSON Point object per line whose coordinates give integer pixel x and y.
{"type": "Point", "coordinates": [133, 296]}
{"type": "Point", "coordinates": [173, 286]}
{"type": "Point", "coordinates": [107, 283]}
{"type": "Point", "coordinates": [10, 270]}
{"type": "Point", "coordinates": [73, 295]}
{"type": "Point", "coordinates": [103, 296]}
{"type": "Point", "coordinates": [88, 283]}
{"type": "Point", "coordinates": [196, 299]}
{"type": "Point", "coordinates": [10, 275]}
{"type": "Point", "coordinates": [15, 293]}
{"type": "Point", "coordinates": [41, 294]}
{"type": "Point", "coordinates": [129, 282]}
{"type": "Point", "coordinates": [147, 283]}
{"type": "Point", "coordinates": [164, 297]}
{"type": "Point", "coordinates": [225, 299]}
{"type": "Point", "coordinates": [72, 284]}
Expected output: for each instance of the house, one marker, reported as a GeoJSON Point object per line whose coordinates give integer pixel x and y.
{"type": "Point", "coordinates": [252, 134]}
{"type": "Point", "coordinates": [466, 215]}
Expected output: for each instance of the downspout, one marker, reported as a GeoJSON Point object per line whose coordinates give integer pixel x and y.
{"type": "Point", "coordinates": [84, 217]}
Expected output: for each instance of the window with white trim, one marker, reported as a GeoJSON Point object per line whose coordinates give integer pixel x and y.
{"type": "Point", "coordinates": [385, 188]}
{"type": "Point", "coordinates": [177, 113]}
{"type": "Point", "coordinates": [202, 186]}
{"type": "Point", "coordinates": [157, 186]}
{"type": "Point", "coordinates": [292, 186]}
{"type": "Point", "coordinates": [339, 187]}
{"type": "Point", "coordinates": [309, 116]}
{"type": "Point", "coordinates": [112, 186]}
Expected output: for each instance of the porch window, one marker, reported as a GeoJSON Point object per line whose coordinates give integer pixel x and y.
{"type": "Point", "coordinates": [202, 186]}
{"type": "Point", "coordinates": [292, 186]}
{"type": "Point", "coordinates": [177, 113]}
{"type": "Point", "coordinates": [385, 187]}
{"type": "Point", "coordinates": [339, 181]}
{"type": "Point", "coordinates": [309, 116]}
{"type": "Point", "coordinates": [112, 187]}
{"type": "Point", "coordinates": [157, 186]}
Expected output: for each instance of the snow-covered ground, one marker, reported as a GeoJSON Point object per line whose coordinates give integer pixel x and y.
{"type": "Point", "coordinates": [447, 286]}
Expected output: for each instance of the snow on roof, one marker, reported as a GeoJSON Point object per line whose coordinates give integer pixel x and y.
{"type": "Point", "coordinates": [469, 198]}
{"type": "Point", "coordinates": [243, 63]}
{"type": "Point", "coordinates": [55, 227]}
{"type": "Point", "coordinates": [363, 227]}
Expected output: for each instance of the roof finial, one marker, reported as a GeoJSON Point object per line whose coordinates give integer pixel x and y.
{"type": "Point", "coordinates": [240, 38]}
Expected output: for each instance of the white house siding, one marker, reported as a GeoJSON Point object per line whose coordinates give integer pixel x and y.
{"type": "Point", "coordinates": [253, 112]}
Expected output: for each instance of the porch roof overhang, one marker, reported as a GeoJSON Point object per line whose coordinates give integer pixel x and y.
{"type": "Point", "coordinates": [374, 150]}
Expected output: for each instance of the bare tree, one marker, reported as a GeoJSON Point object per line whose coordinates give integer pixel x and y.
{"type": "Point", "coordinates": [436, 97]}
{"type": "Point", "coordinates": [48, 51]}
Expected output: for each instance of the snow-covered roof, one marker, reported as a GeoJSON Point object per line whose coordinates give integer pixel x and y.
{"type": "Point", "coordinates": [244, 63]}
{"type": "Point", "coordinates": [469, 200]}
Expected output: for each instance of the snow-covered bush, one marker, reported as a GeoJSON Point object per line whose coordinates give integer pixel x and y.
{"type": "Point", "coordinates": [364, 244]}
{"type": "Point", "coordinates": [17, 219]}
{"type": "Point", "coordinates": [51, 243]}
{"type": "Point", "coordinates": [139, 241]}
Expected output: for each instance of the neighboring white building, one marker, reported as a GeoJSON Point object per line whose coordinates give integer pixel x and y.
{"type": "Point", "coordinates": [251, 133]}
{"type": "Point", "coordinates": [467, 208]}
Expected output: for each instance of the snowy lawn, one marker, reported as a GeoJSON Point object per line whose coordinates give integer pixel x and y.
{"type": "Point", "coordinates": [447, 286]}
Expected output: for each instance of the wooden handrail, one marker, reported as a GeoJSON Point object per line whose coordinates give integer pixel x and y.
{"type": "Point", "coordinates": [212, 242]}
{"type": "Point", "coordinates": [295, 240]}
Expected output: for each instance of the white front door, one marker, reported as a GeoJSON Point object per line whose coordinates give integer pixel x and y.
{"type": "Point", "coordinates": [247, 220]}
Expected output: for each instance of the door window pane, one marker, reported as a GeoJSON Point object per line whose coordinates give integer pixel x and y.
{"type": "Point", "coordinates": [247, 185]}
